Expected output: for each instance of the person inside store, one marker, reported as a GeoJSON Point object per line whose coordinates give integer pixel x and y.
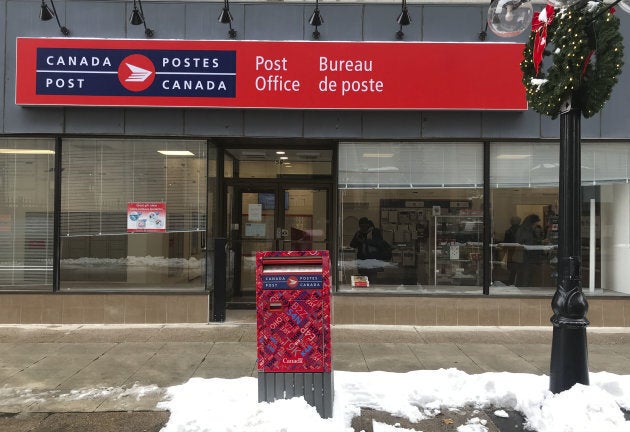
{"type": "Point", "coordinates": [510, 250]}
{"type": "Point", "coordinates": [530, 233]}
{"type": "Point", "coordinates": [371, 249]}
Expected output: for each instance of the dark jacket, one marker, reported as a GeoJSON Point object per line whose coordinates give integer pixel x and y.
{"type": "Point", "coordinates": [369, 245]}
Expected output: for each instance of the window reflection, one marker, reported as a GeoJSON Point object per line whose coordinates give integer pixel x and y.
{"type": "Point", "coordinates": [407, 223]}
{"type": "Point", "coordinates": [133, 214]}
{"type": "Point", "coordinates": [26, 213]}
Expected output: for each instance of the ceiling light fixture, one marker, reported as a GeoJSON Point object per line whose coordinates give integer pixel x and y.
{"type": "Point", "coordinates": [225, 17]}
{"type": "Point", "coordinates": [26, 151]}
{"type": "Point", "coordinates": [378, 155]}
{"type": "Point", "coordinates": [45, 14]}
{"type": "Point", "coordinates": [137, 18]}
{"type": "Point", "coordinates": [403, 19]}
{"type": "Point", "coordinates": [176, 153]}
{"type": "Point", "coordinates": [316, 20]}
{"type": "Point", "coordinates": [513, 156]}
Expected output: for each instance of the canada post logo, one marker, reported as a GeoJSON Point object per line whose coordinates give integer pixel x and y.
{"type": "Point", "coordinates": [119, 72]}
{"type": "Point", "coordinates": [297, 281]}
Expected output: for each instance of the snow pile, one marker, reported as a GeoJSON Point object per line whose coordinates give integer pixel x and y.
{"type": "Point", "coordinates": [222, 405]}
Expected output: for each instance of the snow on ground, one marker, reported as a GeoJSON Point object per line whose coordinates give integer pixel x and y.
{"type": "Point", "coordinates": [230, 405]}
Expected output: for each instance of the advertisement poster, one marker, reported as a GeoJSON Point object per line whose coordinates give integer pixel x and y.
{"type": "Point", "coordinates": [146, 217]}
{"type": "Point", "coordinates": [254, 213]}
{"type": "Point", "coordinates": [5, 222]}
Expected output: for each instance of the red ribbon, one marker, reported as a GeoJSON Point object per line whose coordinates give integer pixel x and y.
{"type": "Point", "coordinates": [539, 26]}
{"type": "Point", "coordinates": [587, 61]}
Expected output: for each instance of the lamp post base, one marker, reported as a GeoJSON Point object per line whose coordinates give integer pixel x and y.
{"type": "Point", "coordinates": [569, 358]}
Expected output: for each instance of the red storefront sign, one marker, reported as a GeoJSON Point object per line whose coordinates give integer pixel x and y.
{"type": "Point", "coordinates": [281, 75]}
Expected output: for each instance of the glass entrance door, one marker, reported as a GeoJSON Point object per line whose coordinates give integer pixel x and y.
{"type": "Point", "coordinates": [270, 217]}
{"type": "Point", "coordinates": [305, 219]}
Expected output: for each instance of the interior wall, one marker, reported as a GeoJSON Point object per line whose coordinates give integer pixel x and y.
{"type": "Point", "coordinates": [615, 239]}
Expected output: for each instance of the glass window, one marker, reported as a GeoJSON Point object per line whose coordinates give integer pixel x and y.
{"type": "Point", "coordinates": [606, 218]}
{"type": "Point", "coordinates": [612, 238]}
{"type": "Point", "coordinates": [524, 196]}
{"type": "Point", "coordinates": [133, 214]}
{"type": "Point", "coordinates": [265, 163]}
{"type": "Point", "coordinates": [605, 163]}
{"type": "Point", "coordinates": [410, 217]}
{"type": "Point", "coordinates": [410, 165]}
{"type": "Point", "coordinates": [26, 213]}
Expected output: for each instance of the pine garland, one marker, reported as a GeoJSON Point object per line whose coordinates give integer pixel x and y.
{"type": "Point", "coordinates": [587, 57]}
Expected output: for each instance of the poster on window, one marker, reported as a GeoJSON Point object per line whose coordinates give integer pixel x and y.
{"type": "Point", "coordinates": [5, 222]}
{"type": "Point", "coordinates": [146, 217]}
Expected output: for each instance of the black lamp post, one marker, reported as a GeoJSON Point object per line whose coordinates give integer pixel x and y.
{"type": "Point", "coordinates": [569, 353]}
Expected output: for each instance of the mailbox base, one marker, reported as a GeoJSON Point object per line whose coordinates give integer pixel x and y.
{"type": "Point", "coordinates": [316, 387]}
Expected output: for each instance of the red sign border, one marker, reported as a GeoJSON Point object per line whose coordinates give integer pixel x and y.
{"type": "Point", "coordinates": [26, 75]}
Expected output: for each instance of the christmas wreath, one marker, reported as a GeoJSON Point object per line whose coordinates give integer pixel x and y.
{"type": "Point", "coordinates": [586, 59]}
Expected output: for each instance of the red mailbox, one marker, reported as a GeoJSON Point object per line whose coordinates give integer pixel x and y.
{"type": "Point", "coordinates": [293, 327]}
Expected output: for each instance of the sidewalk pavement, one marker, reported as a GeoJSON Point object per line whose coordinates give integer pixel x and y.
{"type": "Point", "coordinates": [40, 364]}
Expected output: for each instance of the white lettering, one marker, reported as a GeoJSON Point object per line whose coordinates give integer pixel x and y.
{"type": "Point", "coordinates": [271, 64]}
{"type": "Point", "coordinates": [93, 61]}
{"type": "Point", "coordinates": [69, 83]}
{"type": "Point", "coordinates": [191, 62]}
{"type": "Point", "coordinates": [276, 83]}
{"type": "Point", "coordinates": [326, 64]}
{"type": "Point", "coordinates": [194, 85]}
{"type": "Point", "coordinates": [366, 86]}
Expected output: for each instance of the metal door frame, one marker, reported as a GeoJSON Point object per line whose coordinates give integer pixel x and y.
{"type": "Point", "coordinates": [277, 186]}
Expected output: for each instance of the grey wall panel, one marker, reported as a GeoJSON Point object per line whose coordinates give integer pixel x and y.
{"type": "Point", "coordinates": [614, 116]}
{"type": "Point", "coordinates": [139, 121]}
{"type": "Point", "coordinates": [24, 16]}
{"type": "Point", "coordinates": [549, 128]}
{"type": "Point", "coordinates": [276, 21]}
{"type": "Point", "coordinates": [96, 19]}
{"type": "Point", "coordinates": [23, 20]}
{"type": "Point", "coordinates": [341, 22]}
{"type": "Point", "coordinates": [456, 124]}
{"type": "Point", "coordinates": [272, 123]}
{"type": "Point", "coordinates": [202, 122]}
{"type": "Point", "coordinates": [94, 120]}
{"type": "Point", "coordinates": [332, 124]}
{"type": "Point", "coordinates": [447, 23]}
{"type": "Point", "coordinates": [392, 124]}
{"type": "Point", "coordinates": [379, 22]}
{"type": "Point", "coordinates": [591, 127]}
{"type": "Point", "coordinates": [202, 21]}
{"type": "Point", "coordinates": [167, 20]}
{"type": "Point", "coordinates": [510, 124]}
